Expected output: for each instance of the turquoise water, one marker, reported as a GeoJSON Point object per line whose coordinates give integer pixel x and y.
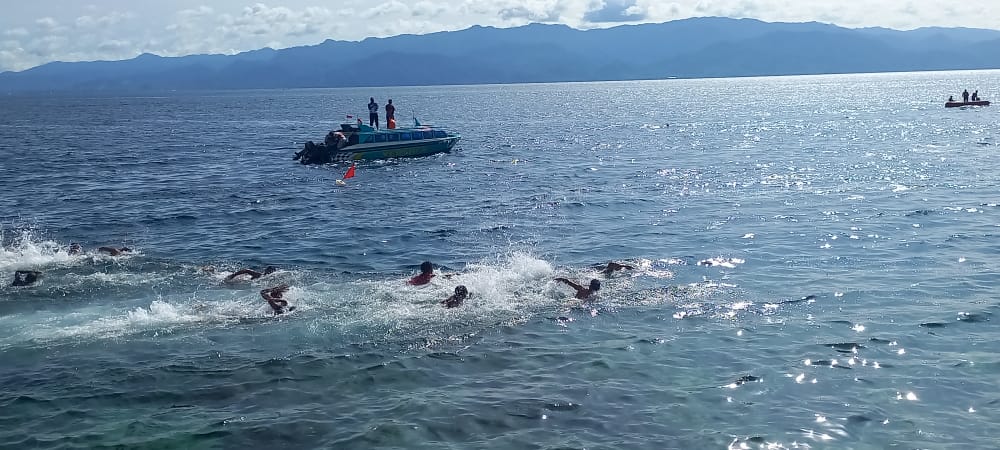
{"type": "Point", "coordinates": [815, 266]}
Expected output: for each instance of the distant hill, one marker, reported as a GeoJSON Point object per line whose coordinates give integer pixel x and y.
{"type": "Point", "coordinates": [700, 47]}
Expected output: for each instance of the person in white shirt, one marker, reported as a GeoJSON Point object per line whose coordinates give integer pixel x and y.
{"type": "Point", "coordinates": [372, 113]}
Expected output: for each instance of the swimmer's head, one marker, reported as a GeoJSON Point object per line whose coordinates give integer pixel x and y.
{"type": "Point", "coordinates": [125, 249]}
{"type": "Point", "coordinates": [461, 291]}
{"type": "Point", "coordinates": [269, 270]}
{"type": "Point", "coordinates": [595, 285]}
{"type": "Point", "coordinates": [426, 267]}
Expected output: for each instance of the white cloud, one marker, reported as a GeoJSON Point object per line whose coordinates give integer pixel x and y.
{"type": "Point", "coordinates": [47, 23]}
{"type": "Point", "coordinates": [16, 32]}
{"type": "Point", "coordinates": [108, 20]}
{"type": "Point", "coordinates": [114, 45]}
{"type": "Point", "coordinates": [387, 9]}
{"type": "Point", "coordinates": [430, 10]}
{"type": "Point", "coordinates": [200, 11]}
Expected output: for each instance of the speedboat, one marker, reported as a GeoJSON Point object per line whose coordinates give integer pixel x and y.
{"type": "Point", "coordinates": [961, 104]}
{"type": "Point", "coordinates": [357, 141]}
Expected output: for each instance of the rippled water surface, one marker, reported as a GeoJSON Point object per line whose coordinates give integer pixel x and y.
{"type": "Point", "coordinates": [815, 266]}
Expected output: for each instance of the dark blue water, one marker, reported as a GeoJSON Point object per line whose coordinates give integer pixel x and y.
{"type": "Point", "coordinates": [815, 267]}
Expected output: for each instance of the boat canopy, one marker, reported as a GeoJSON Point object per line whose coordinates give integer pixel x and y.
{"type": "Point", "coordinates": [363, 134]}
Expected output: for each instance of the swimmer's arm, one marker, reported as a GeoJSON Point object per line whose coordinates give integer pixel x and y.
{"type": "Point", "coordinates": [109, 250]}
{"type": "Point", "coordinates": [572, 284]}
{"type": "Point", "coordinates": [253, 274]}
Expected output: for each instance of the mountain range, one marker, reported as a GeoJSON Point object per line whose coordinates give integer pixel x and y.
{"type": "Point", "coordinates": [689, 48]}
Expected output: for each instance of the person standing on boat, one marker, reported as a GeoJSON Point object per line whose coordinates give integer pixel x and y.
{"type": "Point", "coordinates": [965, 95]}
{"type": "Point", "coordinates": [975, 96]}
{"type": "Point", "coordinates": [373, 112]}
{"type": "Point", "coordinates": [390, 115]}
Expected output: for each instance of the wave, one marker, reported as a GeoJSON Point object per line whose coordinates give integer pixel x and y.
{"type": "Point", "coordinates": [25, 252]}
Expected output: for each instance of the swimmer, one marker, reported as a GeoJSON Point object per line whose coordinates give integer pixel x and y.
{"type": "Point", "coordinates": [426, 273]}
{"type": "Point", "coordinates": [25, 277]}
{"type": "Point", "coordinates": [114, 251]}
{"type": "Point", "coordinates": [583, 293]}
{"type": "Point", "coordinates": [253, 274]}
{"type": "Point", "coordinates": [74, 248]}
{"type": "Point", "coordinates": [273, 297]}
{"type": "Point", "coordinates": [456, 299]}
{"type": "Point", "coordinates": [613, 267]}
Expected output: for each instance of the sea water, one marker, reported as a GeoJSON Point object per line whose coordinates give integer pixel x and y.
{"type": "Point", "coordinates": [815, 266]}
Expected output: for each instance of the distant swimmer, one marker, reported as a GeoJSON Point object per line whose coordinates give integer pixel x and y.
{"type": "Point", "coordinates": [74, 248]}
{"type": "Point", "coordinates": [253, 274]}
{"type": "Point", "coordinates": [456, 299]}
{"type": "Point", "coordinates": [583, 293]}
{"type": "Point", "coordinates": [426, 273]}
{"type": "Point", "coordinates": [114, 251]}
{"type": "Point", "coordinates": [273, 297]}
{"type": "Point", "coordinates": [613, 267]}
{"type": "Point", "coordinates": [25, 277]}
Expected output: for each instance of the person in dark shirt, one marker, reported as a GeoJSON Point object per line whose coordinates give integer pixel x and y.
{"type": "Point", "coordinates": [426, 273]}
{"type": "Point", "coordinates": [25, 277]}
{"type": "Point", "coordinates": [114, 251]}
{"type": "Point", "coordinates": [965, 95]}
{"type": "Point", "coordinates": [390, 115]}
{"type": "Point", "coordinates": [253, 274]}
{"type": "Point", "coordinates": [273, 296]}
{"type": "Point", "coordinates": [456, 299]}
{"type": "Point", "coordinates": [583, 293]}
{"type": "Point", "coordinates": [613, 267]}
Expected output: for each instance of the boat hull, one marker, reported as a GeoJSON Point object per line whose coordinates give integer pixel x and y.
{"type": "Point", "coordinates": [961, 104]}
{"type": "Point", "coordinates": [412, 149]}
{"type": "Point", "coordinates": [324, 154]}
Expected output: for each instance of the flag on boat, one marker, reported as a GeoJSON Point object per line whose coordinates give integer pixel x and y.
{"type": "Point", "coordinates": [350, 172]}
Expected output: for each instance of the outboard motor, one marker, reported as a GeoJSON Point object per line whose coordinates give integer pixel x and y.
{"type": "Point", "coordinates": [314, 153]}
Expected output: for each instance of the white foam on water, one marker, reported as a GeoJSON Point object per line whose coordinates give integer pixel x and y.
{"type": "Point", "coordinates": [160, 316]}
{"type": "Point", "coordinates": [649, 268]}
{"type": "Point", "coordinates": [503, 289]}
{"type": "Point", "coordinates": [25, 252]}
{"type": "Point", "coordinates": [509, 289]}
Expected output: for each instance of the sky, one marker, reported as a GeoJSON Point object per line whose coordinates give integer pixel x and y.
{"type": "Point", "coordinates": [34, 32]}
